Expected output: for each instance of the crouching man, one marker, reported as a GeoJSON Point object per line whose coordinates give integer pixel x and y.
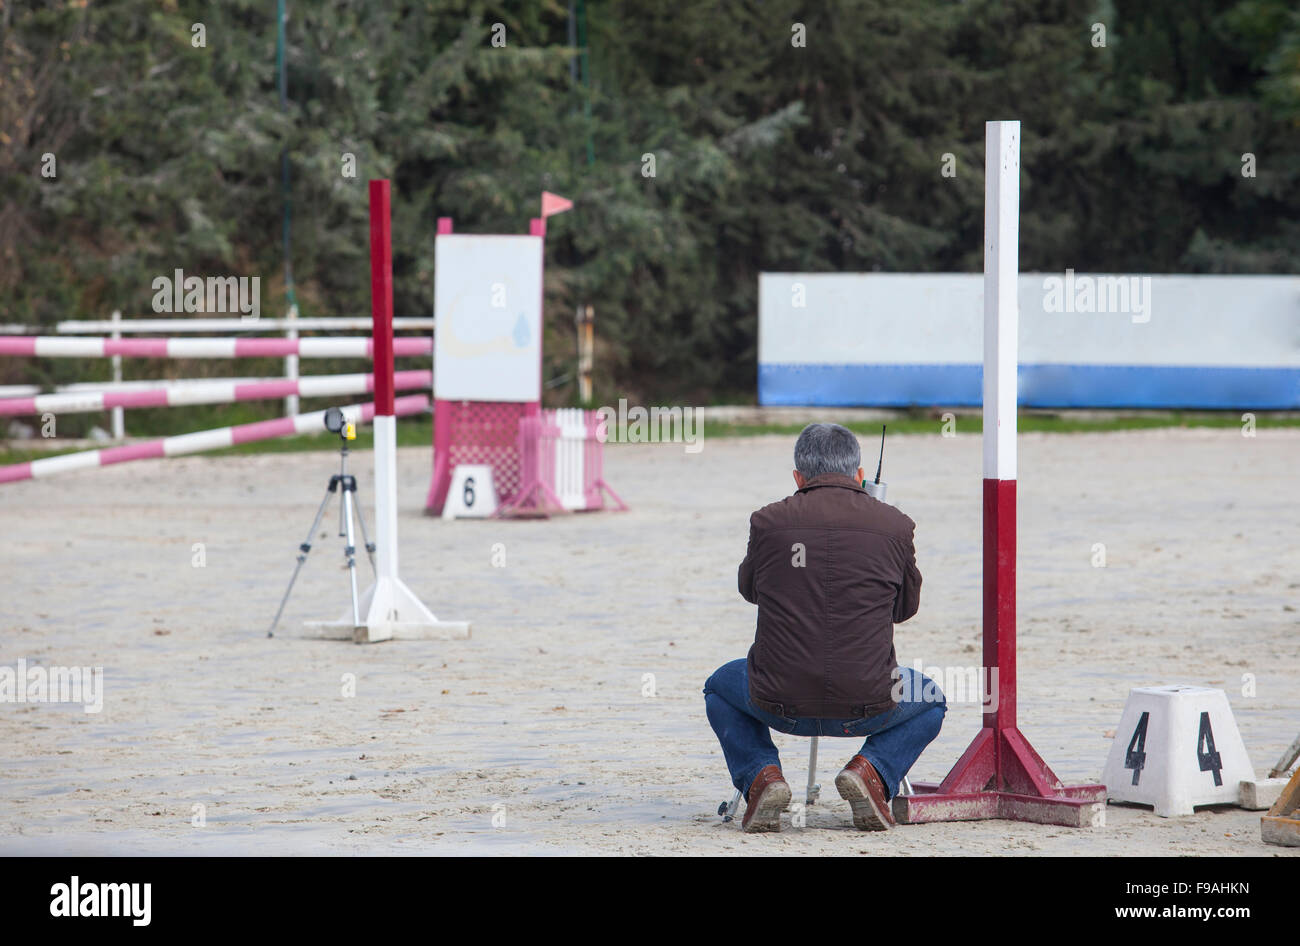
{"type": "Point", "coordinates": [831, 570]}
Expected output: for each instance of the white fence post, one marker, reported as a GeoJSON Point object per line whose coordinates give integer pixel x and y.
{"type": "Point", "coordinates": [291, 364]}
{"type": "Point", "coordinates": [119, 415]}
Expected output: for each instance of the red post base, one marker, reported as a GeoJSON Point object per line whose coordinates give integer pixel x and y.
{"type": "Point", "coordinates": [1001, 776]}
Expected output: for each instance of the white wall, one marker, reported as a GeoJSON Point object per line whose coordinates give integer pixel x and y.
{"type": "Point", "coordinates": [1208, 341]}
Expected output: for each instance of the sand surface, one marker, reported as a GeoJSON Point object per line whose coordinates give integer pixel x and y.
{"type": "Point", "coordinates": [540, 721]}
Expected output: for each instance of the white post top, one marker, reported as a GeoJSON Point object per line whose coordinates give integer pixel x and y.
{"type": "Point", "coordinates": [1001, 314]}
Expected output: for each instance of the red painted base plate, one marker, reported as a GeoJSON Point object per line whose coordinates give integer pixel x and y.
{"type": "Point", "coordinates": [1001, 776]}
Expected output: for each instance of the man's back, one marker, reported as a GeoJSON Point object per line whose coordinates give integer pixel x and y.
{"type": "Point", "coordinates": [831, 570]}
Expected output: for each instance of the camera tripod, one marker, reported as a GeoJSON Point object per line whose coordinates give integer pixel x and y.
{"type": "Point", "coordinates": [345, 484]}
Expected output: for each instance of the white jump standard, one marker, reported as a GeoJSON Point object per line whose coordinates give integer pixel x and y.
{"type": "Point", "coordinates": [487, 390]}
{"type": "Point", "coordinates": [389, 610]}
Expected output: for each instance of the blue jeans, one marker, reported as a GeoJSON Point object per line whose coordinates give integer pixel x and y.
{"type": "Point", "coordinates": [894, 740]}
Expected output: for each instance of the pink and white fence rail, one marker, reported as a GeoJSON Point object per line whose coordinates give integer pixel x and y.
{"type": "Point", "coordinates": [202, 440]}
{"type": "Point", "coordinates": [185, 393]}
{"type": "Point", "coordinates": [219, 391]}
{"type": "Point", "coordinates": [47, 346]}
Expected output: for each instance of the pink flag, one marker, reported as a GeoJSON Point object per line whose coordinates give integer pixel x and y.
{"type": "Point", "coordinates": [554, 204]}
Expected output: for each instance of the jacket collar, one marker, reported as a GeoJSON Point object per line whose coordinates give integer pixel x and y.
{"type": "Point", "coordinates": [832, 479]}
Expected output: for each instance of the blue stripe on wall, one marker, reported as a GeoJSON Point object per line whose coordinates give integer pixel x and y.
{"type": "Point", "coordinates": [955, 385]}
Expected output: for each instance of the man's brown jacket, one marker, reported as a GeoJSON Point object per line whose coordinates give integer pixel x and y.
{"type": "Point", "coordinates": [831, 570]}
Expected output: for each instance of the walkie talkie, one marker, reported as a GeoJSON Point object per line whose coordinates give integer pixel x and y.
{"type": "Point", "coordinates": [877, 489]}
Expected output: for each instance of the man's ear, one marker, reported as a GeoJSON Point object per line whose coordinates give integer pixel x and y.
{"type": "Point", "coordinates": [799, 481]}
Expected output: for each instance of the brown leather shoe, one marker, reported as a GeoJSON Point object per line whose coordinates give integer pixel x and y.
{"type": "Point", "coordinates": [768, 796]}
{"type": "Point", "coordinates": [861, 787]}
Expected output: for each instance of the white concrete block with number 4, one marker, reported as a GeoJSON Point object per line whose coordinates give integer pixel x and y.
{"type": "Point", "coordinates": [1176, 747]}
{"type": "Point", "coordinates": [472, 494]}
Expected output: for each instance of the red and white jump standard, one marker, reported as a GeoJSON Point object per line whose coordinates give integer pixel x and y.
{"type": "Point", "coordinates": [1000, 775]}
{"type": "Point", "coordinates": [390, 609]}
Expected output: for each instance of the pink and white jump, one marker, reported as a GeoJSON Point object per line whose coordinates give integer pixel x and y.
{"type": "Point", "coordinates": [48, 346]}
{"type": "Point", "coordinates": [202, 440]}
{"type": "Point", "coordinates": [184, 393]}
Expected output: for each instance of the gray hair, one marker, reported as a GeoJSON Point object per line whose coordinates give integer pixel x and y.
{"type": "Point", "coordinates": [827, 448]}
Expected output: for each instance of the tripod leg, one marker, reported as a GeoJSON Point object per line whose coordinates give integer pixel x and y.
{"type": "Point", "coordinates": [350, 551]}
{"type": "Point", "coordinates": [303, 549]}
{"type": "Point", "coordinates": [728, 809]}
{"type": "Point", "coordinates": [814, 790]}
{"type": "Point", "coordinates": [365, 536]}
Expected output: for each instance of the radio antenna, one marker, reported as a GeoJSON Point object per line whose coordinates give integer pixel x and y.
{"type": "Point", "coordinates": [882, 452]}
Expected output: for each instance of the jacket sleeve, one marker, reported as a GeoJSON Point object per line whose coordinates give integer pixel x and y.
{"type": "Point", "coordinates": [745, 574]}
{"type": "Point", "coordinates": [908, 599]}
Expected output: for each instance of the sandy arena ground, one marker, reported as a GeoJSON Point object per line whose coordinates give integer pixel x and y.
{"type": "Point", "coordinates": [540, 719]}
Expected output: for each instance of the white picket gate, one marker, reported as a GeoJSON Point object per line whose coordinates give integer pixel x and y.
{"type": "Point", "coordinates": [570, 484]}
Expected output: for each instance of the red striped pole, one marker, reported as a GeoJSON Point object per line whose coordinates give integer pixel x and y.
{"type": "Point", "coordinates": [381, 293]}
{"type": "Point", "coordinates": [1000, 397]}
{"type": "Point", "coordinates": [390, 609]}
